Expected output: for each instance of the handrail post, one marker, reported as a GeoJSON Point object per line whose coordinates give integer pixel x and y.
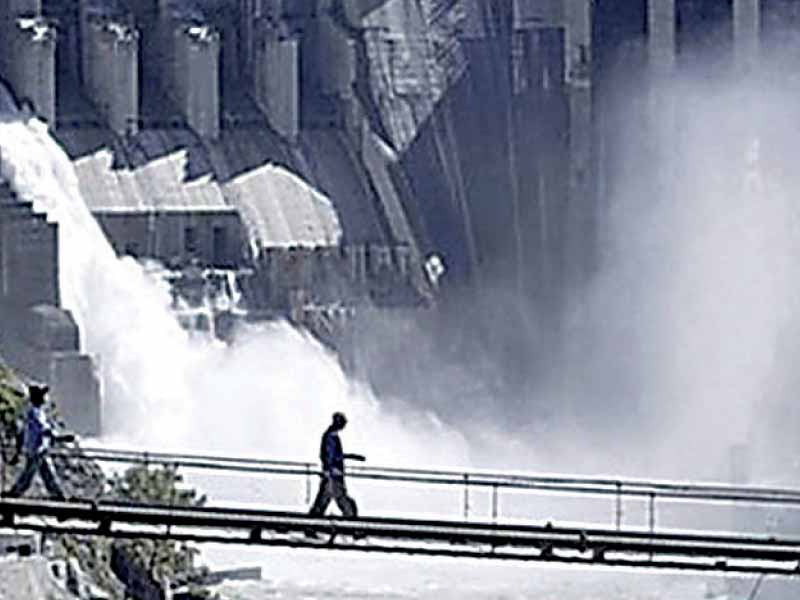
{"type": "Point", "coordinates": [172, 491]}
{"type": "Point", "coordinates": [652, 512]}
{"type": "Point", "coordinates": [466, 496]}
{"type": "Point", "coordinates": [308, 483]}
{"type": "Point", "coordinates": [494, 503]}
{"type": "Point", "coordinates": [3, 466]}
{"type": "Point", "coordinates": [619, 505]}
{"type": "Point", "coordinates": [652, 518]}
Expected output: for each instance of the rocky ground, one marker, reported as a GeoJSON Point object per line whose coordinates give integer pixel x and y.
{"type": "Point", "coordinates": [30, 578]}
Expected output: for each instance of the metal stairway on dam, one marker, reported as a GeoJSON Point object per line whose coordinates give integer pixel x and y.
{"type": "Point", "coordinates": [498, 538]}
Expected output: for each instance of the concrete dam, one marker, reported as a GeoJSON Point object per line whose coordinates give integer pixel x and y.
{"type": "Point", "coordinates": [338, 151]}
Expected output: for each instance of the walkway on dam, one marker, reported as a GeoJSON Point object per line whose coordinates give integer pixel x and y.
{"type": "Point", "coordinates": [716, 545]}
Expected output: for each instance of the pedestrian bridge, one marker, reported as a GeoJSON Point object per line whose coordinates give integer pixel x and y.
{"type": "Point", "coordinates": [725, 529]}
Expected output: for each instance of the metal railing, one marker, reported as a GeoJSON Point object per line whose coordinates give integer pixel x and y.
{"type": "Point", "coordinates": [616, 489]}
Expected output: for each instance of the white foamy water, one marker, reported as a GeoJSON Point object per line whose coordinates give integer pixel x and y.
{"type": "Point", "coordinates": [347, 576]}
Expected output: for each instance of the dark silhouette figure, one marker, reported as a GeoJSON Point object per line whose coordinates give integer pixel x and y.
{"type": "Point", "coordinates": [332, 485]}
{"type": "Point", "coordinates": [37, 435]}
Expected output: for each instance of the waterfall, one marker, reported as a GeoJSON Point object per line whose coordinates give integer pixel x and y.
{"type": "Point", "coordinates": [270, 393]}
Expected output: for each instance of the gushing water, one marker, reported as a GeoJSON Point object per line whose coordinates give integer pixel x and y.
{"type": "Point", "coordinates": [270, 393]}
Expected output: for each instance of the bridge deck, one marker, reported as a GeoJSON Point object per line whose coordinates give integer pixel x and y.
{"type": "Point", "coordinates": [591, 546]}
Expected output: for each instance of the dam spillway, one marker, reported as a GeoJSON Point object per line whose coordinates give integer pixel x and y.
{"type": "Point", "coordinates": [478, 131]}
{"type": "Point", "coordinates": [428, 130]}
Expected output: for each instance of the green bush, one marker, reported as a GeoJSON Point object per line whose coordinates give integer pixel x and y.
{"type": "Point", "coordinates": [12, 403]}
{"type": "Point", "coordinates": [157, 485]}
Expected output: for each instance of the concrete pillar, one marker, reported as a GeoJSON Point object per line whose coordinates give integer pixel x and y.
{"type": "Point", "coordinates": [746, 32]}
{"type": "Point", "coordinates": [202, 109]}
{"type": "Point", "coordinates": [195, 78]}
{"type": "Point", "coordinates": [578, 80]}
{"type": "Point", "coordinates": [111, 71]}
{"type": "Point", "coordinates": [33, 68]}
{"type": "Point", "coordinates": [661, 37]}
{"type": "Point", "coordinates": [337, 52]}
{"type": "Point", "coordinates": [98, 64]}
{"type": "Point", "coordinates": [276, 80]}
{"type": "Point", "coordinates": [121, 86]}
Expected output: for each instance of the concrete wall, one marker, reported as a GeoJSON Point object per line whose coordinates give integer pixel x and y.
{"type": "Point", "coordinates": [287, 278]}
{"type": "Point", "coordinates": [39, 332]}
{"type": "Point", "coordinates": [31, 68]}
{"type": "Point", "coordinates": [28, 259]}
{"type": "Point", "coordinates": [376, 159]}
{"type": "Point", "coordinates": [38, 338]}
{"type": "Point", "coordinates": [276, 85]}
{"type": "Point", "coordinates": [327, 71]}
{"type": "Point", "coordinates": [42, 343]}
{"type": "Point", "coordinates": [543, 13]}
{"type": "Point", "coordinates": [76, 391]}
{"type": "Point", "coordinates": [18, 543]}
{"type": "Point", "coordinates": [213, 237]}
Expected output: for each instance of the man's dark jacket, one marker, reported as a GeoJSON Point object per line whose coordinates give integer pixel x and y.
{"type": "Point", "coordinates": [330, 451]}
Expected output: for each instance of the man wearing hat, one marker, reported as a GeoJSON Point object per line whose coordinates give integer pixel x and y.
{"type": "Point", "coordinates": [332, 485]}
{"type": "Point", "coordinates": [37, 435]}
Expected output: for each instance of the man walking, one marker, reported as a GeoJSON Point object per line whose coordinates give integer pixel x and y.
{"type": "Point", "coordinates": [332, 484]}
{"type": "Point", "coordinates": [37, 435]}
